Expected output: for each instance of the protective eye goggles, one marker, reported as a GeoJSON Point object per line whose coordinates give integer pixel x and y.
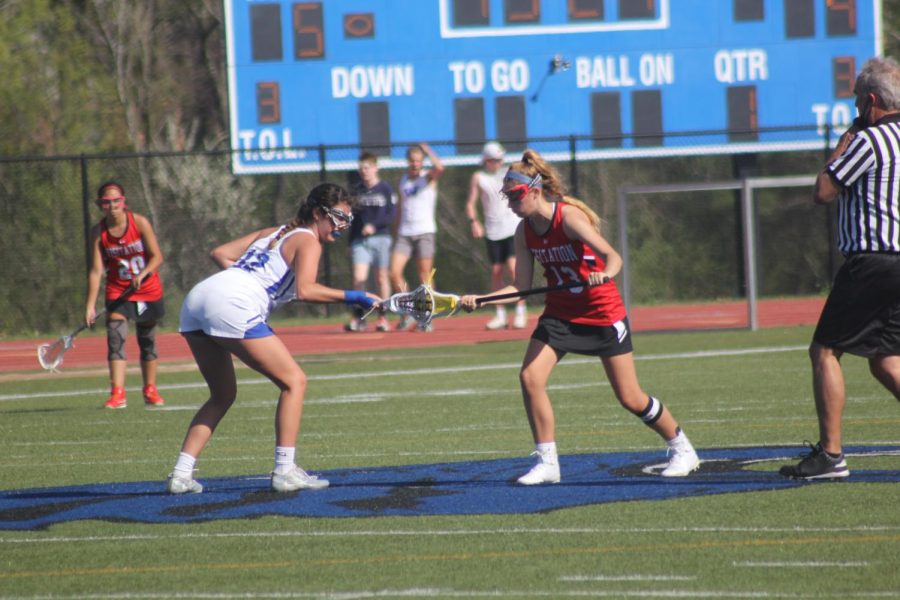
{"type": "Point", "coordinates": [525, 185]}
{"type": "Point", "coordinates": [339, 218]}
{"type": "Point", "coordinates": [104, 202]}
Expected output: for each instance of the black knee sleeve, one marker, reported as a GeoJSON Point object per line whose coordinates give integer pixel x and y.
{"type": "Point", "coordinates": [653, 412]}
{"type": "Point", "coordinates": [146, 339]}
{"type": "Point", "coordinates": [116, 332]}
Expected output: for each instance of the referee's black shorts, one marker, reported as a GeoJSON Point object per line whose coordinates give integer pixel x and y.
{"type": "Point", "coordinates": [862, 313]}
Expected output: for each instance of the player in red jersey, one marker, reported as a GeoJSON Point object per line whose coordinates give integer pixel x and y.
{"type": "Point", "coordinates": [124, 245]}
{"type": "Point", "coordinates": [562, 235]}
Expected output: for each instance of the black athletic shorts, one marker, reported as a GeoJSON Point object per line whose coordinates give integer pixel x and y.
{"type": "Point", "coordinates": [592, 340]}
{"type": "Point", "coordinates": [500, 250]}
{"type": "Point", "coordinates": [142, 312]}
{"type": "Point", "coordinates": [862, 313]}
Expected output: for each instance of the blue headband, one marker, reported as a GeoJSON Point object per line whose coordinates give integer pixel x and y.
{"type": "Point", "coordinates": [531, 182]}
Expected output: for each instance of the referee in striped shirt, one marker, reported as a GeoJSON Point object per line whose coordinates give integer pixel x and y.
{"type": "Point", "coordinates": [862, 313]}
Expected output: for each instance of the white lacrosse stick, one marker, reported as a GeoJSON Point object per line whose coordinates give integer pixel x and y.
{"type": "Point", "coordinates": [51, 355]}
{"type": "Point", "coordinates": [423, 304]}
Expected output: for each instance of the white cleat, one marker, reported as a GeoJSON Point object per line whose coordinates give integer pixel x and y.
{"type": "Point", "coordinates": [183, 485]}
{"type": "Point", "coordinates": [684, 462]}
{"type": "Point", "coordinates": [520, 322]}
{"type": "Point", "coordinates": [541, 473]}
{"type": "Point", "coordinates": [496, 324]}
{"type": "Point", "coordinates": [297, 479]}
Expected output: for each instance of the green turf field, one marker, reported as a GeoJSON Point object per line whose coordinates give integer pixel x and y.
{"type": "Point", "coordinates": [451, 405]}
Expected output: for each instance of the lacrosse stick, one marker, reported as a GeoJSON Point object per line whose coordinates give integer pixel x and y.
{"type": "Point", "coordinates": [51, 355]}
{"type": "Point", "coordinates": [523, 293]}
{"type": "Point", "coordinates": [423, 304]}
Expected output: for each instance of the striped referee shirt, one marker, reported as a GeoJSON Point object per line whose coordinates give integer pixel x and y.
{"type": "Point", "coordinates": [869, 206]}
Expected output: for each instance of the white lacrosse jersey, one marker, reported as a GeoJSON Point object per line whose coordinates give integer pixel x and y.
{"type": "Point", "coordinates": [419, 200]}
{"type": "Point", "coordinates": [500, 221]}
{"type": "Point", "coordinates": [236, 299]}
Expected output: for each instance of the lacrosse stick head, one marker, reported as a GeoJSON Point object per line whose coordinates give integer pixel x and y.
{"type": "Point", "coordinates": [423, 304]}
{"type": "Point", "coordinates": [51, 355]}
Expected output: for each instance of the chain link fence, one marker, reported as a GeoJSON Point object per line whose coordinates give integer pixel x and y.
{"type": "Point", "coordinates": [683, 247]}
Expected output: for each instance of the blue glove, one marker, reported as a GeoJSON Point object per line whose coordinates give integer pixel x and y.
{"type": "Point", "coordinates": [359, 298]}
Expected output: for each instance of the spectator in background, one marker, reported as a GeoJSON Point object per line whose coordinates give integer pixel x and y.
{"type": "Point", "coordinates": [124, 246]}
{"type": "Point", "coordinates": [416, 225]}
{"type": "Point", "coordinates": [862, 313]}
{"type": "Point", "coordinates": [499, 228]}
{"type": "Point", "coordinates": [370, 236]}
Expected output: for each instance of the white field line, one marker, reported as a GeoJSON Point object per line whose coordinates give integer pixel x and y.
{"type": "Point", "coordinates": [451, 593]}
{"type": "Point", "coordinates": [427, 372]}
{"type": "Point", "coordinates": [445, 593]}
{"type": "Point", "coordinates": [627, 578]}
{"type": "Point", "coordinates": [400, 533]}
{"type": "Point", "coordinates": [800, 564]}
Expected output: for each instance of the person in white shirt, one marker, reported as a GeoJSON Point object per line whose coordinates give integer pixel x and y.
{"type": "Point", "coordinates": [499, 228]}
{"type": "Point", "coordinates": [416, 225]}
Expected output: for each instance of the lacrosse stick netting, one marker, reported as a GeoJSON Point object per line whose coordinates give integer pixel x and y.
{"type": "Point", "coordinates": [51, 355]}
{"type": "Point", "coordinates": [423, 304]}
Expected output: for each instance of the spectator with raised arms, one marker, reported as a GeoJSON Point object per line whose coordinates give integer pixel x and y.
{"type": "Point", "coordinates": [416, 224]}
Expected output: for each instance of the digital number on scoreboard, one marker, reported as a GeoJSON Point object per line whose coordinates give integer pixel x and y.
{"type": "Point", "coordinates": [626, 77]}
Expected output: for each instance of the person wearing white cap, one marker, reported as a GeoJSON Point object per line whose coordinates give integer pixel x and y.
{"type": "Point", "coordinates": [498, 230]}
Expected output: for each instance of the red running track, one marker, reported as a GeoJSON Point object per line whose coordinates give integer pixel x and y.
{"type": "Point", "coordinates": [20, 355]}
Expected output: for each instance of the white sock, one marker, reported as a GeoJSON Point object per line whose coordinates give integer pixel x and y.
{"type": "Point", "coordinates": [520, 309]}
{"type": "Point", "coordinates": [184, 467]}
{"type": "Point", "coordinates": [679, 440]}
{"type": "Point", "coordinates": [501, 312]}
{"type": "Point", "coordinates": [284, 459]}
{"type": "Point", "coordinates": [547, 452]}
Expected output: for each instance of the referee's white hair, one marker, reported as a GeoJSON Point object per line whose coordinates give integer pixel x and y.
{"type": "Point", "coordinates": [880, 76]}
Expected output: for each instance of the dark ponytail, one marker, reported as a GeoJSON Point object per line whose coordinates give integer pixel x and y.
{"type": "Point", "coordinates": [324, 195]}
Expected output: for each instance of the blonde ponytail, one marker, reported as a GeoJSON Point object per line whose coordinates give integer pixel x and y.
{"type": "Point", "coordinates": [593, 217]}
{"type": "Point", "coordinates": [533, 163]}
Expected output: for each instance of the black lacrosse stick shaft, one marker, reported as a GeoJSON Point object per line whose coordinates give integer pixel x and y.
{"type": "Point", "coordinates": [531, 292]}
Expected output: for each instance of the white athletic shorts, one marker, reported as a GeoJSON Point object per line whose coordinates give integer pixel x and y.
{"type": "Point", "coordinates": [228, 304]}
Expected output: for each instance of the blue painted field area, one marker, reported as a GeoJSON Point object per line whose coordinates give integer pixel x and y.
{"type": "Point", "coordinates": [460, 488]}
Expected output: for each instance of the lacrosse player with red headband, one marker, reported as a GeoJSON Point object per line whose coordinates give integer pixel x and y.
{"type": "Point", "coordinates": [562, 234]}
{"type": "Point", "coordinates": [124, 246]}
{"type": "Point", "coordinates": [226, 316]}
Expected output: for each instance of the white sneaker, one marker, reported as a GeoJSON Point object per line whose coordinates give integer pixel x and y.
{"type": "Point", "coordinates": [183, 485]}
{"type": "Point", "coordinates": [496, 323]}
{"type": "Point", "coordinates": [297, 479]}
{"type": "Point", "coordinates": [542, 472]}
{"type": "Point", "coordinates": [520, 321]}
{"type": "Point", "coordinates": [684, 461]}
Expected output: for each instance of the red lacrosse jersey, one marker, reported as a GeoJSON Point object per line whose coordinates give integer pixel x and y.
{"type": "Point", "coordinates": [565, 260]}
{"type": "Point", "coordinates": [124, 257]}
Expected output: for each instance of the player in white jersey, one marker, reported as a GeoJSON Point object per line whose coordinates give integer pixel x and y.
{"type": "Point", "coordinates": [416, 225]}
{"type": "Point", "coordinates": [499, 228]}
{"type": "Point", "coordinates": [225, 316]}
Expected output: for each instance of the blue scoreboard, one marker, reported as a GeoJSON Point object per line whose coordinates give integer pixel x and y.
{"type": "Point", "coordinates": [625, 77]}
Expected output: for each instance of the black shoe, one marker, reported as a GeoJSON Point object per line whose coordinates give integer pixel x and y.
{"type": "Point", "coordinates": [817, 465]}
